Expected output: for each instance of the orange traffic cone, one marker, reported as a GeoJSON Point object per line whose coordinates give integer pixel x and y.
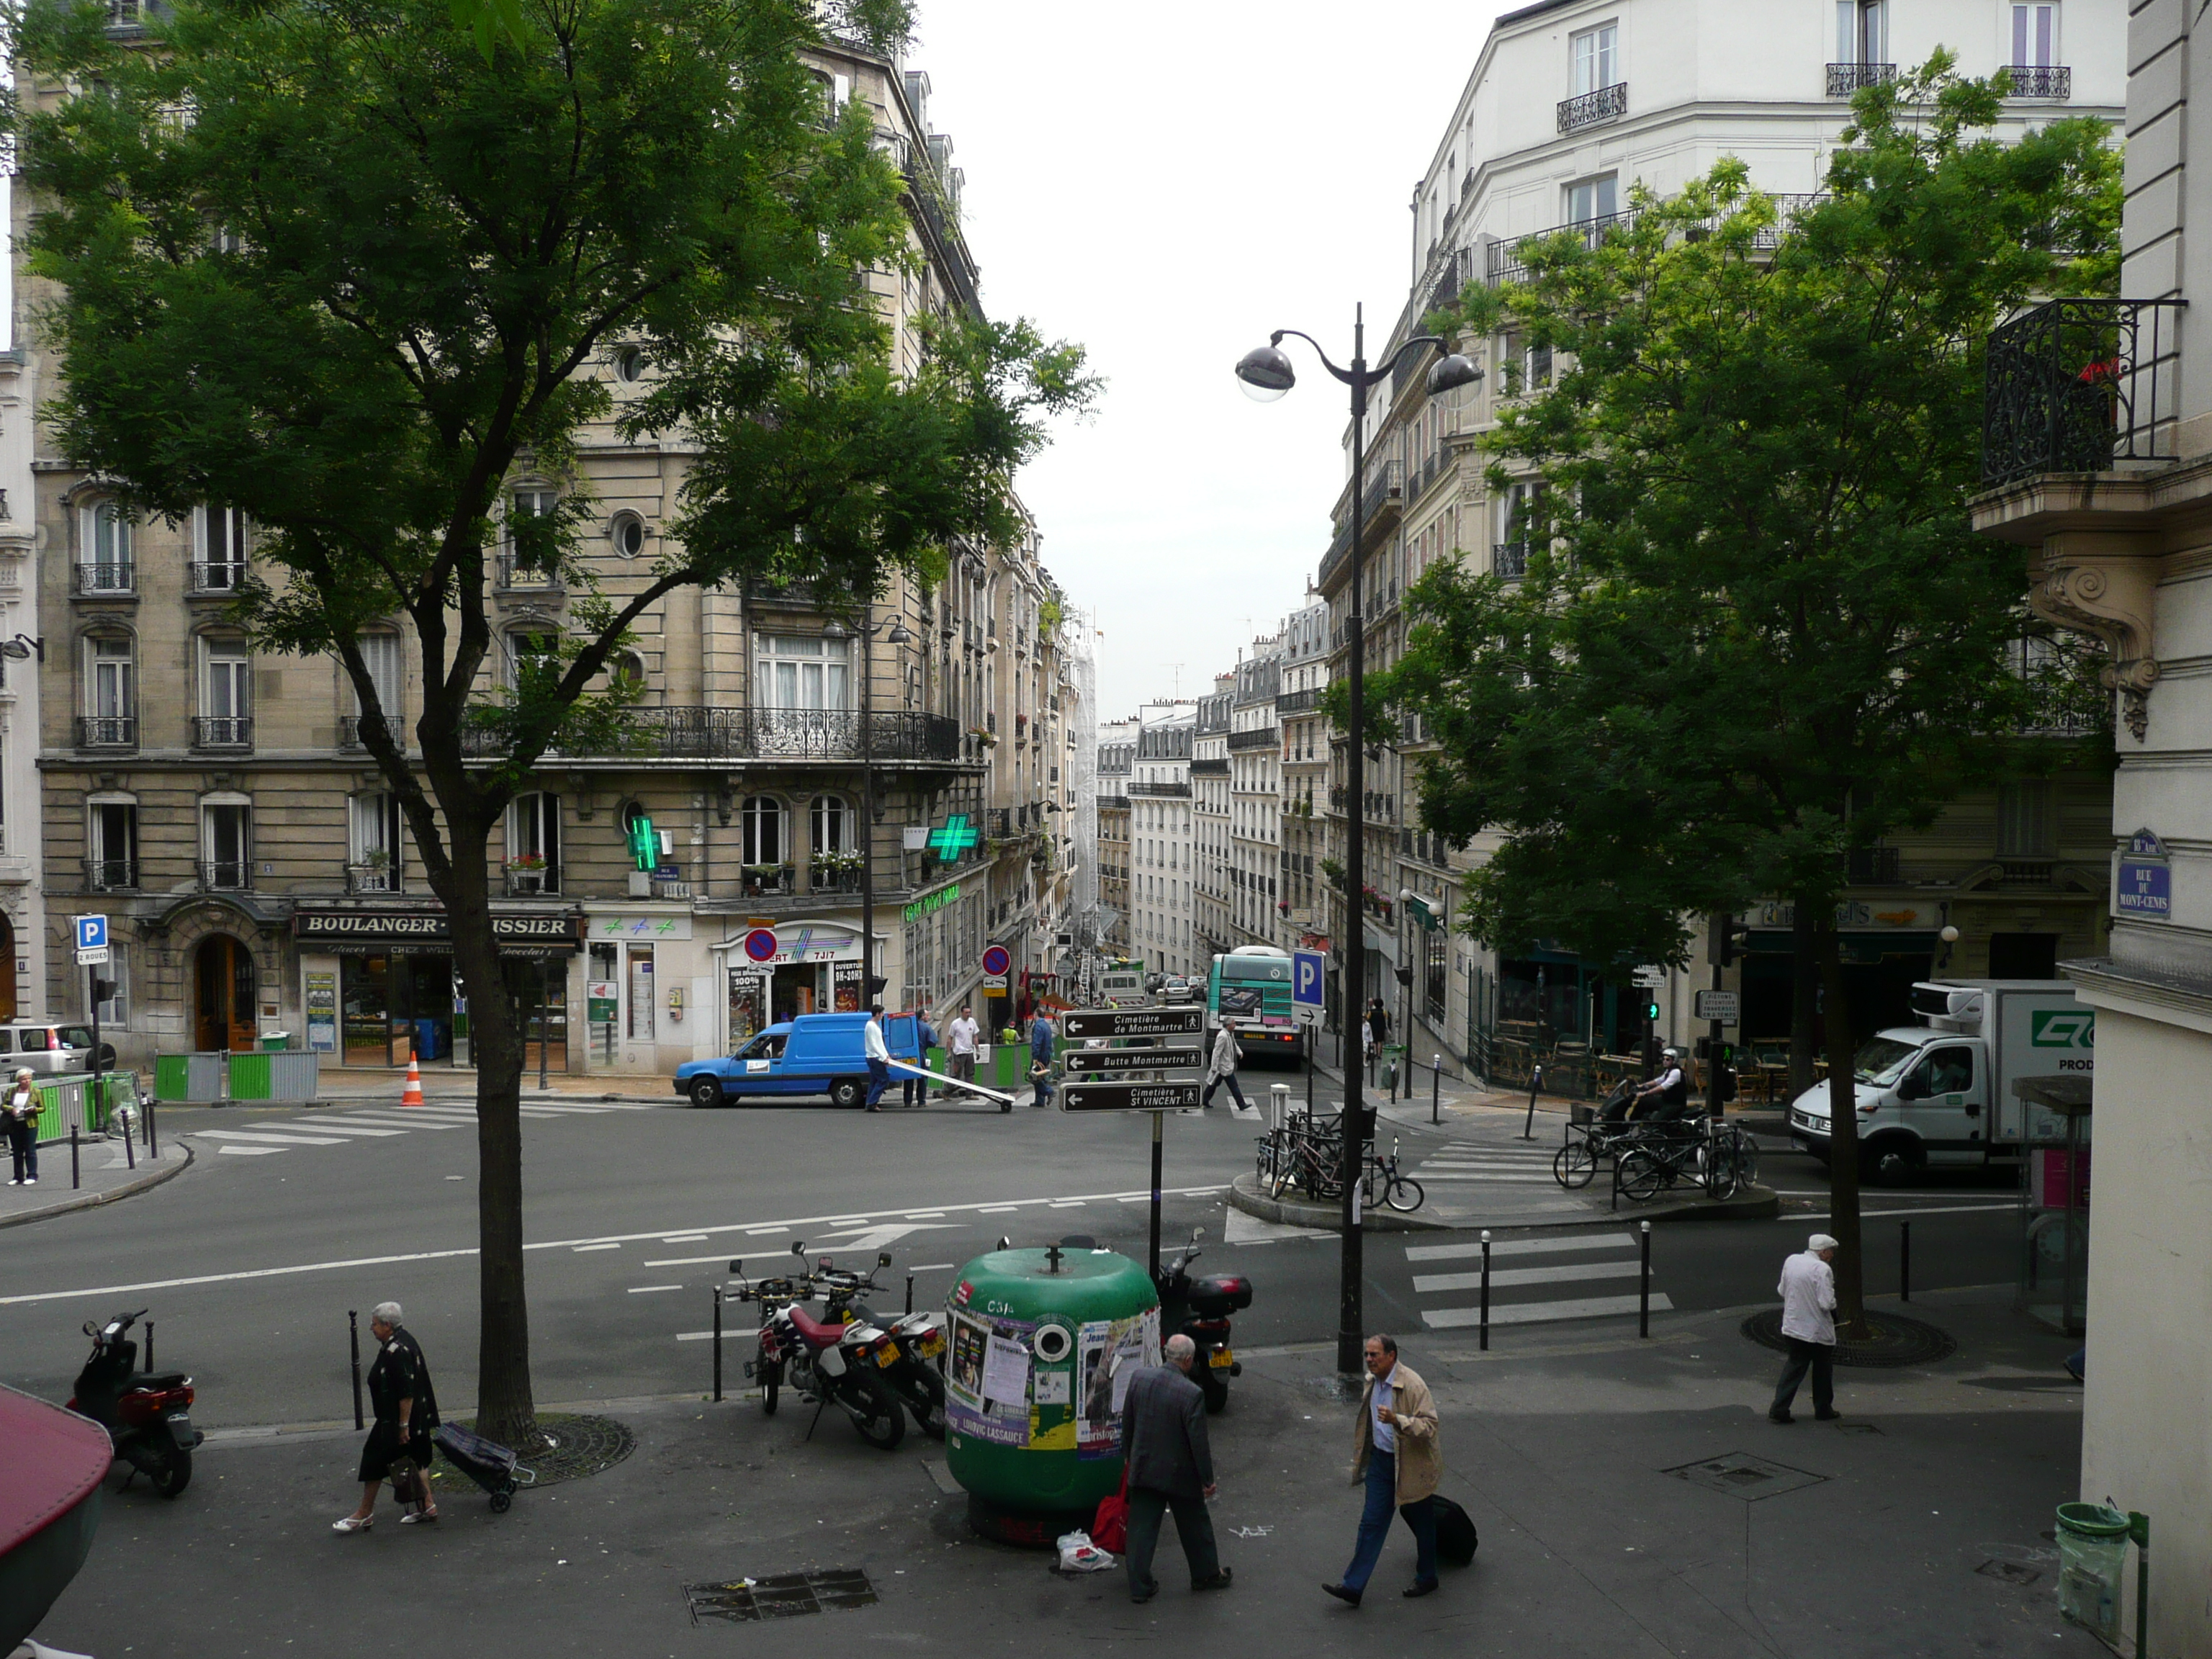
{"type": "Point", "coordinates": [412, 1095]}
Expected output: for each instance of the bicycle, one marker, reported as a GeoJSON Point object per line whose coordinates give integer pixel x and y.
{"type": "Point", "coordinates": [1672, 1152]}
{"type": "Point", "coordinates": [1400, 1192]}
{"type": "Point", "coordinates": [1731, 1158]}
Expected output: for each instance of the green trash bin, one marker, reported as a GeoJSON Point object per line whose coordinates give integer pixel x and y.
{"type": "Point", "coordinates": [276, 1043]}
{"type": "Point", "coordinates": [2093, 1547]}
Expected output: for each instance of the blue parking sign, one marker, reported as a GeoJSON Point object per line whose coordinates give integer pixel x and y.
{"type": "Point", "coordinates": [1305, 978]}
{"type": "Point", "coordinates": [92, 932]}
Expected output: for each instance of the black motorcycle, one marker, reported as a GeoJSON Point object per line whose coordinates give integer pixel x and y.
{"type": "Point", "coordinates": [912, 1350]}
{"type": "Point", "coordinates": [824, 1361]}
{"type": "Point", "coordinates": [1199, 1308]}
{"type": "Point", "coordinates": [148, 1414]}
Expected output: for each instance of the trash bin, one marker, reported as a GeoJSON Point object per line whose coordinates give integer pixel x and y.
{"type": "Point", "coordinates": [1394, 1056]}
{"type": "Point", "coordinates": [275, 1043]}
{"type": "Point", "coordinates": [2093, 1547]}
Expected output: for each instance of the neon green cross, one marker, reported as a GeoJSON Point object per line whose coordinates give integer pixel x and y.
{"type": "Point", "coordinates": [957, 836]}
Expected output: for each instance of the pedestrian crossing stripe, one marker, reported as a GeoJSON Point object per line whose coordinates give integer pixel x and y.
{"type": "Point", "coordinates": [1505, 1278]}
{"type": "Point", "coordinates": [1540, 1313]}
{"type": "Point", "coordinates": [1543, 1246]}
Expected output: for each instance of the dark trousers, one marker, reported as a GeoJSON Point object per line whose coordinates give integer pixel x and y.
{"type": "Point", "coordinates": [914, 1091]}
{"type": "Point", "coordinates": [1193, 1525]}
{"type": "Point", "coordinates": [1375, 1525]}
{"type": "Point", "coordinates": [1820, 1358]}
{"type": "Point", "coordinates": [1229, 1077]}
{"type": "Point", "coordinates": [23, 1143]}
{"type": "Point", "coordinates": [879, 1079]}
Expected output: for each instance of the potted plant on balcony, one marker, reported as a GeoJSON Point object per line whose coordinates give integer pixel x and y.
{"type": "Point", "coordinates": [834, 870]}
{"type": "Point", "coordinates": [761, 878]}
{"type": "Point", "coordinates": [525, 872]}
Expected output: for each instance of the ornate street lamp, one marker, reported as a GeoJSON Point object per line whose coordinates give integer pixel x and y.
{"type": "Point", "coordinates": [1265, 375]}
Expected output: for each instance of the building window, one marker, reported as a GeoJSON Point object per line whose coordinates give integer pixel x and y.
{"type": "Point", "coordinates": [105, 565]}
{"type": "Point", "coordinates": [226, 717]}
{"type": "Point", "coordinates": [218, 549]}
{"type": "Point", "coordinates": [1863, 31]}
{"type": "Point", "coordinates": [805, 670]}
{"type": "Point", "coordinates": [629, 365]}
{"type": "Point", "coordinates": [379, 655]}
{"type": "Point", "coordinates": [1596, 55]}
{"type": "Point", "coordinates": [111, 687]}
{"type": "Point", "coordinates": [114, 1011]}
{"type": "Point", "coordinates": [764, 828]}
{"type": "Point", "coordinates": [531, 557]}
{"type": "Point", "coordinates": [534, 844]}
{"type": "Point", "coordinates": [1592, 199]}
{"type": "Point", "coordinates": [226, 845]}
{"type": "Point", "coordinates": [831, 825]}
{"type": "Point", "coordinates": [375, 846]}
{"type": "Point", "coordinates": [2024, 827]}
{"type": "Point", "coordinates": [627, 532]}
{"type": "Point", "coordinates": [530, 655]}
{"type": "Point", "coordinates": [640, 993]}
{"type": "Point", "coordinates": [112, 844]}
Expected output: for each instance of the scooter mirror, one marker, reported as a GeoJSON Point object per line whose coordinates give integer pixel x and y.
{"type": "Point", "coordinates": [1197, 1233]}
{"type": "Point", "coordinates": [882, 1258]}
{"type": "Point", "coordinates": [798, 1247]}
{"type": "Point", "coordinates": [1005, 1243]}
{"type": "Point", "coordinates": [737, 1264]}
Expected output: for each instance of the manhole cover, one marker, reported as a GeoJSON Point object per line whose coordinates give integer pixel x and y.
{"type": "Point", "coordinates": [1895, 1340]}
{"type": "Point", "coordinates": [2011, 1571]}
{"type": "Point", "coordinates": [1848, 1428]}
{"type": "Point", "coordinates": [1741, 1474]}
{"type": "Point", "coordinates": [569, 1446]}
{"type": "Point", "coordinates": [785, 1595]}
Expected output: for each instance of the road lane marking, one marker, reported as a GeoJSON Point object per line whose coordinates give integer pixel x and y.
{"type": "Point", "coordinates": [263, 1137]}
{"type": "Point", "coordinates": [341, 1125]}
{"type": "Point", "coordinates": [685, 1238]}
{"type": "Point", "coordinates": [381, 1121]}
{"type": "Point", "coordinates": [1521, 1247]}
{"type": "Point", "coordinates": [1501, 1278]}
{"type": "Point", "coordinates": [690, 1260]}
{"type": "Point", "coordinates": [933, 1266]}
{"type": "Point", "coordinates": [580, 1248]}
{"type": "Point", "coordinates": [247, 1151]}
{"type": "Point", "coordinates": [1539, 1313]}
{"type": "Point", "coordinates": [648, 1290]}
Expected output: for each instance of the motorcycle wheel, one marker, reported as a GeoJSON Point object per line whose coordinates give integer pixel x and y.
{"type": "Point", "coordinates": [878, 1414]}
{"type": "Point", "coordinates": [1215, 1390]}
{"type": "Point", "coordinates": [771, 1378]}
{"type": "Point", "coordinates": [173, 1476]}
{"type": "Point", "coordinates": [928, 1406]}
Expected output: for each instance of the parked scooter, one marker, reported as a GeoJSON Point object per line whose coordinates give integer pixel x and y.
{"type": "Point", "coordinates": [913, 1348]}
{"type": "Point", "coordinates": [822, 1361]}
{"type": "Point", "coordinates": [148, 1414]}
{"type": "Point", "coordinates": [1199, 1308]}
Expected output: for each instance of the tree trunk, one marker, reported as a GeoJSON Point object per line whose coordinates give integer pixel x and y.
{"type": "Point", "coordinates": [1804, 1006]}
{"type": "Point", "coordinates": [1842, 1127]}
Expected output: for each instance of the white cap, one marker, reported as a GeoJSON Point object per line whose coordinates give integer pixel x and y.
{"type": "Point", "coordinates": [1822, 1241]}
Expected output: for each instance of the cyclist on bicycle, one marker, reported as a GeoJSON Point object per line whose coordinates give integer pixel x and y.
{"type": "Point", "coordinates": [1666, 1097]}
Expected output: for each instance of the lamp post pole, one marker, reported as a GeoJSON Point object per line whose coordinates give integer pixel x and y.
{"type": "Point", "coordinates": [1266, 375]}
{"type": "Point", "coordinates": [867, 808]}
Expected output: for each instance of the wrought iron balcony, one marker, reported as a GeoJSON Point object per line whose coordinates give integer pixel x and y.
{"type": "Point", "coordinates": [1510, 560]}
{"type": "Point", "coordinates": [1606, 104]}
{"type": "Point", "coordinates": [1297, 703]}
{"type": "Point", "coordinates": [687, 733]}
{"type": "Point", "coordinates": [833, 879]}
{"type": "Point", "coordinates": [2052, 81]}
{"type": "Point", "coordinates": [509, 571]}
{"type": "Point", "coordinates": [226, 875]}
{"type": "Point", "coordinates": [1379, 502]}
{"type": "Point", "coordinates": [1844, 79]}
{"type": "Point", "coordinates": [1173, 790]}
{"type": "Point", "coordinates": [1259, 737]}
{"type": "Point", "coordinates": [224, 578]}
{"type": "Point", "coordinates": [110, 875]}
{"type": "Point", "coordinates": [223, 732]}
{"type": "Point", "coordinates": [350, 730]}
{"type": "Point", "coordinates": [1871, 866]}
{"type": "Point", "coordinates": [2079, 385]}
{"type": "Point", "coordinates": [108, 582]}
{"type": "Point", "coordinates": [372, 877]}
{"type": "Point", "coordinates": [530, 881]}
{"type": "Point", "coordinates": [106, 731]}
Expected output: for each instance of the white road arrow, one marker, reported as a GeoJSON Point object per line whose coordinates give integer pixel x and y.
{"type": "Point", "coordinates": [881, 1238]}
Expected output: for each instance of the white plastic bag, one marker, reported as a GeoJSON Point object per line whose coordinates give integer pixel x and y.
{"type": "Point", "coordinates": [1079, 1554]}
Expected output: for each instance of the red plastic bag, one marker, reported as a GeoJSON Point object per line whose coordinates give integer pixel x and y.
{"type": "Point", "coordinates": [1109, 1527]}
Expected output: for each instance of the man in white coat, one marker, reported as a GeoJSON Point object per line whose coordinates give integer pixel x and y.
{"type": "Point", "coordinates": [1221, 1067]}
{"type": "Point", "coordinates": [1808, 1325]}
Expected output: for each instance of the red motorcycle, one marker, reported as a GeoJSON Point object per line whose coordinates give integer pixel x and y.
{"type": "Point", "coordinates": [824, 1362]}
{"type": "Point", "coordinates": [148, 1414]}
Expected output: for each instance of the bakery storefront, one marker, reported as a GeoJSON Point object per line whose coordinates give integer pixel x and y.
{"type": "Point", "coordinates": [377, 987]}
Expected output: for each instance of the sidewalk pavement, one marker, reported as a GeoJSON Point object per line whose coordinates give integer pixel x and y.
{"type": "Point", "coordinates": [1915, 1527]}
{"type": "Point", "coordinates": [105, 1172]}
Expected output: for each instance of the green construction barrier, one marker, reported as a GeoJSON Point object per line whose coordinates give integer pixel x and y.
{"type": "Point", "coordinates": [249, 1077]}
{"type": "Point", "coordinates": [172, 1074]}
{"type": "Point", "coordinates": [1036, 1340]}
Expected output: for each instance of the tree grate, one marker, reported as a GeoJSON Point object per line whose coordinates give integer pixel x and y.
{"type": "Point", "coordinates": [785, 1595]}
{"type": "Point", "coordinates": [1896, 1341]}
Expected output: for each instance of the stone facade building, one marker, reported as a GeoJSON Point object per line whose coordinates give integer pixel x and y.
{"type": "Point", "coordinates": [1254, 797]}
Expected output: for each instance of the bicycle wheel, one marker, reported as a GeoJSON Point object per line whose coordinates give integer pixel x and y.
{"type": "Point", "coordinates": [1404, 1195]}
{"type": "Point", "coordinates": [1746, 1159]}
{"type": "Point", "coordinates": [1574, 1165]}
{"type": "Point", "coordinates": [1643, 1175]}
{"type": "Point", "coordinates": [1720, 1169]}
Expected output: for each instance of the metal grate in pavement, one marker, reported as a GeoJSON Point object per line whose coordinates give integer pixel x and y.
{"type": "Point", "coordinates": [784, 1595]}
{"type": "Point", "coordinates": [1741, 1474]}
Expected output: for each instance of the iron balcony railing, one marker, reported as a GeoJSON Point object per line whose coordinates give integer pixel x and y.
{"type": "Point", "coordinates": [372, 877]}
{"type": "Point", "coordinates": [1844, 79]}
{"type": "Point", "coordinates": [1510, 560]}
{"type": "Point", "coordinates": [1871, 865]}
{"type": "Point", "coordinates": [1503, 261]}
{"type": "Point", "coordinates": [106, 731]}
{"type": "Point", "coordinates": [108, 580]}
{"type": "Point", "coordinates": [1297, 703]}
{"type": "Point", "coordinates": [2052, 81]}
{"type": "Point", "coordinates": [684, 733]}
{"type": "Point", "coordinates": [226, 875]}
{"type": "Point", "coordinates": [1177, 791]}
{"type": "Point", "coordinates": [765, 880]}
{"type": "Point", "coordinates": [351, 728]}
{"type": "Point", "coordinates": [1606, 104]}
{"type": "Point", "coordinates": [509, 571]}
{"type": "Point", "coordinates": [1386, 487]}
{"type": "Point", "coordinates": [1259, 737]}
{"type": "Point", "coordinates": [223, 732]}
{"type": "Point", "coordinates": [530, 882]}
{"type": "Point", "coordinates": [2080, 386]}
{"type": "Point", "coordinates": [110, 875]}
{"type": "Point", "coordinates": [225, 577]}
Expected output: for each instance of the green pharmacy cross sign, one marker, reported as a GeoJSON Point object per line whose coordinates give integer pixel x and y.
{"type": "Point", "coordinates": [957, 836]}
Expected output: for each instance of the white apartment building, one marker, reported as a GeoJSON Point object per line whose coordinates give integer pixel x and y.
{"type": "Point", "coordinates": [1254, 800]}
{"type": "Point", "coordinates": [1303, 775]}
{"type": "Point", "coordinates": [1569, 105]}
{"type": "Point", "coordinates": [1162, 843]}
{"type": "Point", "coordinates": [1210, 820]}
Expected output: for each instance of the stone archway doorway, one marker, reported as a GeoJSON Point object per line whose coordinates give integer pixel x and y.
{"type": "Point", "coordinates": [223, 997]}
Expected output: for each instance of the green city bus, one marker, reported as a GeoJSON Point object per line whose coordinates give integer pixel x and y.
{"type": "Point", "coordinates": [1248, 991]}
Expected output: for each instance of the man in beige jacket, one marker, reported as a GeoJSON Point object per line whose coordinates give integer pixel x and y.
{"type": "Point", "coordinates": [1399, 1456]}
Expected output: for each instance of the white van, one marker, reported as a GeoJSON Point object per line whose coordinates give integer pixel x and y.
{"type": "Point", "coordinates": [1939, 1093]}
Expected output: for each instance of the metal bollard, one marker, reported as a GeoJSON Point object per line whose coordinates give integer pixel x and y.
{"type": "Point", "coordinates": [1485, 1290]}
{"type": "Point", "coordinates": [1536, 1082]}
{"type": "Point", "coordinates": [352, 1327]}
{"type": "Point", "coordinates": [718, 1341]}
{"type": "Point", "coordinates": [152, 1151]}
{"type": "Point", "coordinates": [1643, 1285]}
{"type": "Point", "coordinates": [1436, 1088]}
{"type": "Point", "coordinates": [149, 1344]}
{"type": "Point", "coordinates": [1279, 1105]}
{"type": "Point", "coordinates": [910, 1292]}
{"type": "Point", "coordinates": [1904, 1261]}
{"type": "Point", "coordinates": [73, 1169]}
{"type": "Point", "coordinates": [130, 1156]}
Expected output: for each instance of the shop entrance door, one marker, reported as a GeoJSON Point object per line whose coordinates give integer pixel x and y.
{"type": "Point", "coordinates": [224, 995]}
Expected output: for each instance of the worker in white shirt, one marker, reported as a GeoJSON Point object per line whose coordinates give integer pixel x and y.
{"type": "Point", "coordinates": [878, 1053]}
{"type": "Point", "coordinates": [962, 1036]}
{"type": "Point", "coordinates": [1808, 1325]}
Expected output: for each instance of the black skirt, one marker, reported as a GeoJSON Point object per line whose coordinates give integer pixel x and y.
{"type": "Point", "coordinates": [389, 1446]}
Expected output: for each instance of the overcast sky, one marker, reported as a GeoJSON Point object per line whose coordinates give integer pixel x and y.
{"type": "Point", "coordinates": [1166, 184]}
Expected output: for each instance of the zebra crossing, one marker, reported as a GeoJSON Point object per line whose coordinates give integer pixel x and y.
{"type": "Point", "coordinates": [1529, 1279]}
{"type": "Point", "coordinates": [271, 1136]}
{"type": "Point", "coordinates": [1466, 1161]}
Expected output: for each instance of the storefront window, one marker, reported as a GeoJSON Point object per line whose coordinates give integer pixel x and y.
{"type": "Point", "coordinates": [640, 1029]}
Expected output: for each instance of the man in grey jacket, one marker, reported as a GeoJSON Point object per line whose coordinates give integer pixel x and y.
{"type": "Point", "coordinates": [1171, 1467]}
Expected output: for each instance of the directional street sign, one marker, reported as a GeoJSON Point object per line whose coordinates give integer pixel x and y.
{"type": "Point", "coordinates": [1128, 1096]}
{"type": "Point", "coordinates": [1136, 1022]}
{"type": "Point", "coordinates": [1129, 1059]}
{"type": "Point", "coordinates": [1651, 978]}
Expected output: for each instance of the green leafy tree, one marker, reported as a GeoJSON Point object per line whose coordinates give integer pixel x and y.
{"type": "Point", "coordinates": [1756, 631]}
{"type": "Point", "coordinates": [347, 265]}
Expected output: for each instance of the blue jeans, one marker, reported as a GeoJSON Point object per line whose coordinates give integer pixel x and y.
{"type": "Point", "coordinates": [879, 1079]}
{"type": "Point", "coordinates": [1375, 1526]}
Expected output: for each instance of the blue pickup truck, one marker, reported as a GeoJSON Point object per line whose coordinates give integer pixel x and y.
{"type": "Point", "coordinates": [812, 1055]}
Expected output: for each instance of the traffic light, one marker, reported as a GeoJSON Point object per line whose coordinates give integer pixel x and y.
{"type": "Point", "coordinates": [103, 990]}
{"type": "Point", "coordinates": [1651, 1007]}
{"type": "Point", "coordinates": [1735, 940]}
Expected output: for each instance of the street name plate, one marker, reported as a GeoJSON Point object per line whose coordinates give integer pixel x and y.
{"type": "Point", "coordinates": [1127, 1097]}
{"type": "Point", "coordinates": [1719, 1006]}
{"type": "Point", "coordinates": [1136, 1022]}
{"type": "Point", "coordinates": [1128, 1060]}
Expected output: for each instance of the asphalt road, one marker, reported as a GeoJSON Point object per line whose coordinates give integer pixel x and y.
{"type": "Point", "coordinates": [249, 1262]}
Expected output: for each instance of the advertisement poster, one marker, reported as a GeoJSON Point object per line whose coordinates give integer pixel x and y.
{"type": "Point", "coordinates": [1109, 1352]}
{"type": "Point", "coordinates": [978, 1368]}
{"type": "Point", "coordinates": [847, 990]}
{"type": "Point", "coordinates": [322, 1012]}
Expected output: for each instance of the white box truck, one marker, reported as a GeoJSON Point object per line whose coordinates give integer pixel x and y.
{"type": "Point", "coordinates": [1940, 1092]}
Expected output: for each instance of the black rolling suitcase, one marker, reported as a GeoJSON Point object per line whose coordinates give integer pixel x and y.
{"type": "Point", "coordinates": [1455, 1540]}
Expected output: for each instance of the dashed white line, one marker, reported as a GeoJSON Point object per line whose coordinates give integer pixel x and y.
{"type": "Point", "coordinates": [580, 1248]}
{"type": "Point", "coordinates": [648, 1290]}
{"type": "Point", "coordinates": [688, 1260]}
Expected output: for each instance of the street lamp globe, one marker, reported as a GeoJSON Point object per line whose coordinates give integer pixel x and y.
{"type": "Point", "coordinates": [900, 635]}
{"type": "Point", "coordinates": [1450, 373]}
{"type": "Point", "coordinates": [1265, 374]}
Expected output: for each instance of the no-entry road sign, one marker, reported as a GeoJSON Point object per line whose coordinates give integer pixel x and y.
{"type": "Point", "coordinates": [1129, 1059]}
{"type": "Point", "coordinates": [1136, 1022]}
{"type": "Point", "coordinates": [1127, 1097]}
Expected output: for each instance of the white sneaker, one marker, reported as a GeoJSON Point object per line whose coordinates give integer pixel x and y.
{"type": "Point", "coordinates": [32, 1182]}
{"type": "Point", "coordinates": [14, 1183]}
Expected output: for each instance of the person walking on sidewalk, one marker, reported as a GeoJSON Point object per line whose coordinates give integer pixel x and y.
{"type": "Point", "coordinates": [915, 1089]}
{"type": "Point", "coordinates": [399, 1443]}
{"type": "Point", "coordinates": [1041, 1043]}
{"type": "Point", "coordinates": [19, 1115]}
{"type": "Point", "coordinates": [1171, 1467]}
{"type": "Point", "coordinates": [1808, 1325]}
{"type": "Point", "coordinates": [1220, 1068]}
{"type": "Point", "coordinates": [961, 1053]}
{"type": "Point", "coordinates": [1377, 1024]}
{"type": "Point", "coordinates": [1400, 1457]}
{"type": "Point", "coordinates": [878, 1053]}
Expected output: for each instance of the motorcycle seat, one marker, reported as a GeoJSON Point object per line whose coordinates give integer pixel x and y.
{"type": "Point", "coordinates": [160, 1380]}
{"type": "Point", "coordinates": [817, 1334]}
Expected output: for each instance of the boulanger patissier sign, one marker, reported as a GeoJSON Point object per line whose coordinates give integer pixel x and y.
{"type": "Point", "coordinates": [412, 927]}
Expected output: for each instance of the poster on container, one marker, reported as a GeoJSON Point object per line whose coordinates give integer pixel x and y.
{"type": "Point", "coordinates": [1109, 1352]}
{"type": "Point", "coordinates": [983, 1397]}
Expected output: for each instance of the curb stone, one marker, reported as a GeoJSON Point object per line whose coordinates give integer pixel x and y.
{"type": "Point", "coordinates": [92, 1201]}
